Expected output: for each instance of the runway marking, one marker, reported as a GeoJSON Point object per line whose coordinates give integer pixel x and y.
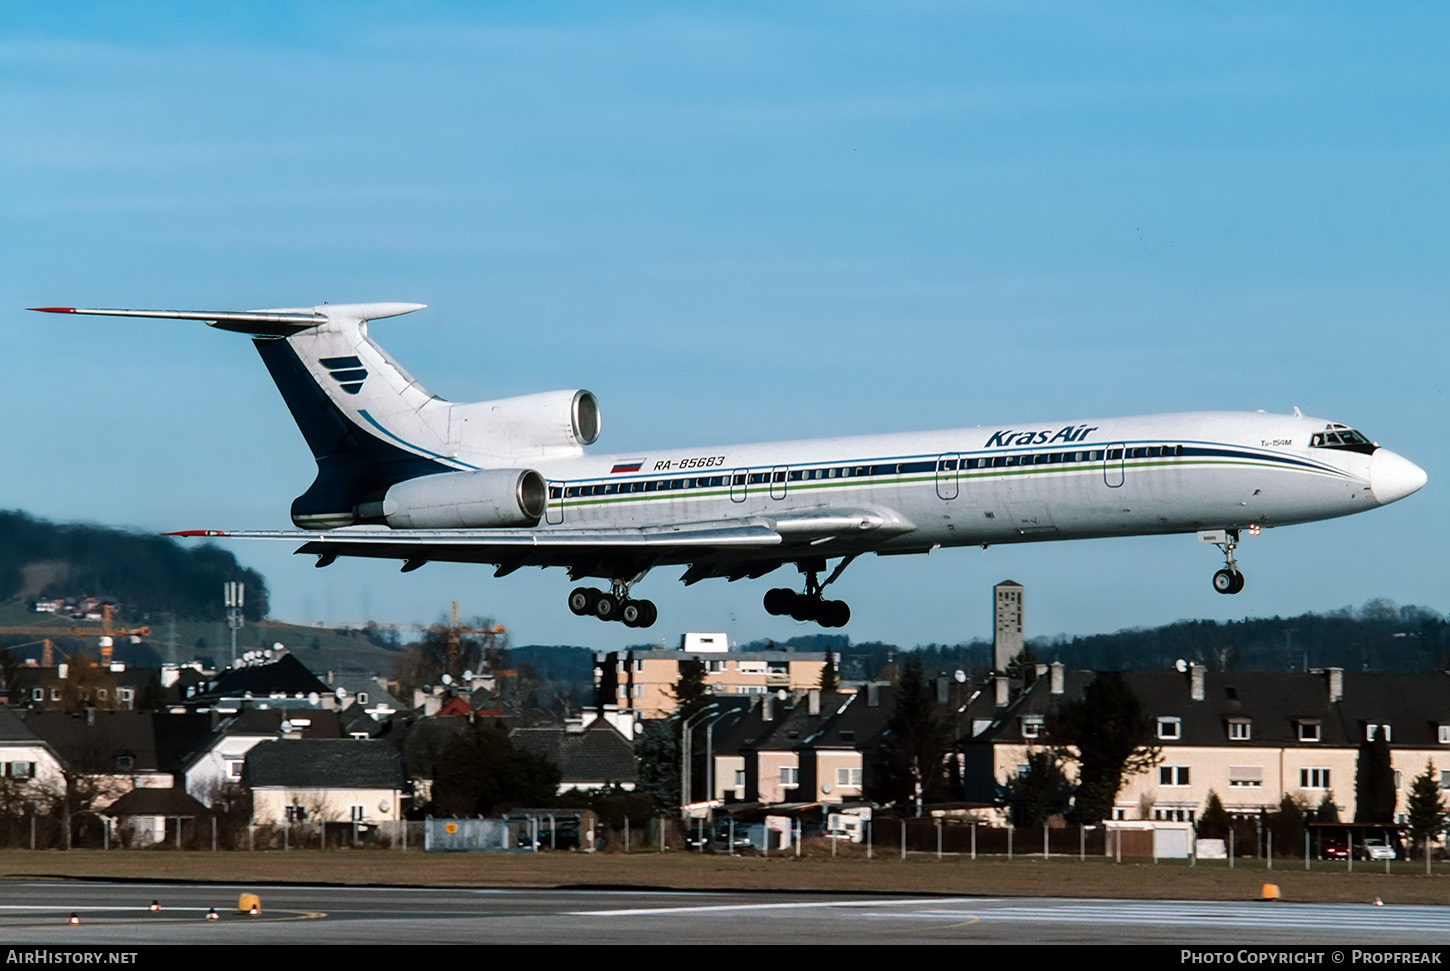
{"type": "Point", "coordinates": [170, 915]}
{"type": "Point", "coordinates": [1336, 917]}
{"type": "Point", "coordinates": [968, 911]}
{"type": "Point", "coordinates": [724, 908]}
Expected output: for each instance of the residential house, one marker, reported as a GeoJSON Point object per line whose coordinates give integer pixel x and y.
{"type": "Point", "coordinates": [1251, 737]}
{"type": "Point", "coordinates": [109, 753]}
{"type": "Point", "coordinates": [219, 759]}
{"type": "Point", "coordinates": [325, 780]}
{"type": "Point", "coordinates": [642, 682]}
{"type": "Point", "coordinates": [143, 817]}
{"type": "Point", "coordinates": [278, 681]}
{"type": "Point", "coordinates": [74, 687]}
{"type": "Point", "coordinates": [590, 757]}
{"type": "Point", "coordinates": [31, 773]}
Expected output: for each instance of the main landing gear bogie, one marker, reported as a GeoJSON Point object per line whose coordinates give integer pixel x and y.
{"type": "Point", "coordinates": [784, 602]}
{"type": "Point", "coordinates": [811, 605]}
{"type": "Point", "coordinates": [588, 602]}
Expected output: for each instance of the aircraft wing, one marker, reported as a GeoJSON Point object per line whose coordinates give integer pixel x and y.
{"type": "Point", "coordinates": [734, 548]}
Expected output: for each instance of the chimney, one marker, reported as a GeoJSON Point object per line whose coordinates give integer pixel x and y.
{"type": "Point", "coordinates": [942, 686]}
{"type": "Point", "coordinates": [1002, 692]}
{"type": "Point", "coordinates": [813, 703]}
{"type": "Point", "coordinates": [1336, 683]}
{"type": "Point", "coordinates": [1195, 681]}
{"type": "Point", "coordinates": [767, 709]}
{"type": "Point", "coordinates": [1039, 669]}
{"type": "Point", "coordinates": [1056, 677]}
{"type": "Point", "coordinates": [873, 696]}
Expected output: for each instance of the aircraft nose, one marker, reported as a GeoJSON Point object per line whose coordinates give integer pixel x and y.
{"type": "Point", "coordinates": [1393, 477]}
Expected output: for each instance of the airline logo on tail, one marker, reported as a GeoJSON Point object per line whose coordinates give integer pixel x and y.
{"type": "Point", "coordinates": [348, 372]}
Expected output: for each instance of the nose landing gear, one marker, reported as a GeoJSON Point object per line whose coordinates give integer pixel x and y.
{"type": "Point", "coordinates": [1229, 579]}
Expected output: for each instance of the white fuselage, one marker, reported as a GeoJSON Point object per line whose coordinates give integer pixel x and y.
{"type": "Point", "coordinates": [991, 484]}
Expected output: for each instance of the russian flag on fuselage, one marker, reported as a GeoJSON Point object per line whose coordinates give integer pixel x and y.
{"type": "Point", "coordinates": [629, 465]}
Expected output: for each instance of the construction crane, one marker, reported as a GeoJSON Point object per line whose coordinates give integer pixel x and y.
{"type": "Point", "coordinates": [452, 634]}
{"type": "Point", "coordinates": [107, 633]}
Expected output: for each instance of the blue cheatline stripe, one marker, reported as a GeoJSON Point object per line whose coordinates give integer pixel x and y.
{"type": "Point", "coordinates": [363, 413]}
{"type": "Point", "coordinates": [924, 471]}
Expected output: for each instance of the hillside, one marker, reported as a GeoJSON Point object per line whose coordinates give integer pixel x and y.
{"type": "Point", "coordinates": [146, 575]}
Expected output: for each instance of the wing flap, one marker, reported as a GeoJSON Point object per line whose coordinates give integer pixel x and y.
{"type": "Point", "coordinates": [728, 533]}
{"type": "Point", "coordinates": [732, 547]}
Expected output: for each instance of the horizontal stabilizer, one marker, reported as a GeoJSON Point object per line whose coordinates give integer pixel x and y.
{"type": "Point", "coordinates": [282, 322]}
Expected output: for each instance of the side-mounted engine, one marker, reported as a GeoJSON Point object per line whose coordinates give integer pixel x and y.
{"type": "Point", "coordinates": [463, 500]}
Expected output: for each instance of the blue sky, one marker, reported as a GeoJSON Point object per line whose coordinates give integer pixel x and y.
{"type": "Point", "coordinates": [738, 223]}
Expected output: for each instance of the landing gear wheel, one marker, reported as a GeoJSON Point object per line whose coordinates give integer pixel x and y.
{"type": "Point", "coordinates": [834, 613]}
{"type": "Point", "coordinates": [1228, 581]}
{"type": "Point", "coordinates": [778, 602]}
{"type": "Point", "coordinates": [606, 607]}
{"type": "Point", "coordinates": [805, 608]}
{"type": "Point", "coordinates": [581, 601]}
{"type": "Point", "coordinates": [638, 613]}
{"type": "Point", "coordinates": [648, 614]}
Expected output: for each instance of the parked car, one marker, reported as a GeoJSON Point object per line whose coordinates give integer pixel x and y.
{"type": "Point", "coordinates": [723, 831]}
{"type": "Point", "coordinates": [565, 837]}
{"type": "Point", "coordinates": [1333, 848]}
{"type": "Point", "coordinates": [1377, 848]}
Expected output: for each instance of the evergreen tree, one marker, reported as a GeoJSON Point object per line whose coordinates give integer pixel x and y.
{"type": "Point", "coordinates": [1041, 789]}
{"type": "Point", "coordinates": [1215, 822]}
{"type": "Point", "coordinates": [1022, 669]}
{"type": "Point", "coordinates": [1110, 736]}
{"type": "Point", "coordinates": [1287, 825]}
{"type": "Point", "coordinates": [1374, 781]}
{"type": "Point", "coordinates": [691, 691]}
{"type": "Point", "coordinates": [657, 754]}
{"type": "Point", "coordinates": [911, 767]}
{"type": "Point", "coordinates": [1425, 807]}
{"type": "Point", "coordinates": [1327, 812]}
{"type": "Point", "coordinates": [829, 680]}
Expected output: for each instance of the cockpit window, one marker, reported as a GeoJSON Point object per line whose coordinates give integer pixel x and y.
{"type": "Point", "coordinates": [1342, 437]}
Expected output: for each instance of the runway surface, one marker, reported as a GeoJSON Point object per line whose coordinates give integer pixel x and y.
{"type": "Point", "coordinates": [118, 914]}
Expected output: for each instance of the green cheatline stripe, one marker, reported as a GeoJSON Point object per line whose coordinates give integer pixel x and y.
{"type": "Point", "coordinates": [759, 488]}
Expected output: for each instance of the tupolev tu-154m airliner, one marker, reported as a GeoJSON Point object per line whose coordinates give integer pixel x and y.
{"type": "Point", "coordinates": [403, 474]}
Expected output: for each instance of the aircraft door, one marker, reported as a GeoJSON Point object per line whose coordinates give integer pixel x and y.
{"type": "Point", "coordinates": [947, 483]}
{"type": "Point", "coordinates": [778, 477]}
{"type": "Point", "coordinates": [554, 509]}
{"type": "Point", "coordinates": [738, 480]}
{"type": "Point", "coordinates": [1113, 465]}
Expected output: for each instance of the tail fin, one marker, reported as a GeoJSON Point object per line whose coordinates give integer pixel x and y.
{"type": "Point", "coordinates": [369, 424]}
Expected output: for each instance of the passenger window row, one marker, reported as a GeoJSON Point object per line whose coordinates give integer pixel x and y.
{"type": "Point", "coordinates": [860, 471]}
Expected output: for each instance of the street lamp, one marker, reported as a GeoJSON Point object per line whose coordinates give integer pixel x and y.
{"type": "Point", "coordinates": [685, 757]}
